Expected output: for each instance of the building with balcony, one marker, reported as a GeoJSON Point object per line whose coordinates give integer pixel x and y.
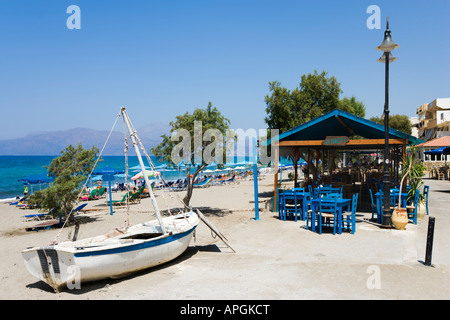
{"type": "Point", "coordinates": [434, 119]}
{"type": "Point", "coordinates": [431, 145]}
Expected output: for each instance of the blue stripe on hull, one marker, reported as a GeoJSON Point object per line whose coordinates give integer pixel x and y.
{"type": "Point", "coordinates": [140, 246]}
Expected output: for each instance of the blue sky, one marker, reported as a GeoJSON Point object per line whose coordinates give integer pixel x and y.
{"type": "Point", "coordinates": [163, 58]}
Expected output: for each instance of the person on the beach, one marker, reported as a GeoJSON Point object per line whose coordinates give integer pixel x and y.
{"type": "Point", "coordinates": [25, 191]}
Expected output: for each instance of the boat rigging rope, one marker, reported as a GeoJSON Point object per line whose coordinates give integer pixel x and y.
{"type": "Point", "coordinates": [153, 168]}
{"type": "Point", "coordinates": [87, 179]}
{"type": "Point", "coordinates": [127, 204]}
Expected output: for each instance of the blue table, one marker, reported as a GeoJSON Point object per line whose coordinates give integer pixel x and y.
{"type": "Point", "coordinates": [394, 193]}
{"type": "Point", "coordinates": [341, 203]}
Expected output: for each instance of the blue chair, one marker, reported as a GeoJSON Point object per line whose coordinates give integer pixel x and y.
{"type": "Point", "coordinates": [307, 210]}
{"type": "Point", "coordinates": [350, 217]}
{"type": "Point", "coordinates": [292, 205]}
{"type": "Point", "coordinates": [414, 207]}
{"type": "Point", "coordinates": [371, 200]}
{"type": "Point", "coordinates": [380, 201]}
{"type": "Point", "coordinates": [335, 190]}
{"type": "Point", "coordinates": [327, 212]}
{"type": "Point", "coordinates": [316, 193]}
{"type": "Point", "coordinates": [310, 189]}
{"type": "Point", "coordinates": [325, 190]}
{"type": "Point", "coordinates": [394, 197]}
{"type": "Point", "coordinates": [426, 190]}
{"type": "Point", "coordinates": [281, 205]}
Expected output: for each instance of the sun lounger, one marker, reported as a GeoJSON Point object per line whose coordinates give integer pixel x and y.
{"type": "Point", "coordinates": [122, 201]}
{"type": "Point", "coordinates": [79, 208]}
{"type": "Point", "coordinates": [180, 186]}
{"type": "Point", "coordinates": [227, 180]}
{"type": "Point", "coordinates": [203, 183]}
{"type": "Point", "coordinates": [18, 201]}
{"type": "Point", "coordinates": [91, 196]}
{"type": "Point", "coordinates": [39, 216]}
{"type": "Point", "coordinates": [136, 197]}
{"type": "Point", "coordinates": [100, 192]}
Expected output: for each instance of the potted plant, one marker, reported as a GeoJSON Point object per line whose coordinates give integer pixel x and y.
{"type": "Point", "coordinates": [400, 215]}
{"type": "Point", "coordinates": [415, 181]}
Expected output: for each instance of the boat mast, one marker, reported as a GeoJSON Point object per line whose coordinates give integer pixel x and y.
{"type": "Point", "coordinates": [141, 163]}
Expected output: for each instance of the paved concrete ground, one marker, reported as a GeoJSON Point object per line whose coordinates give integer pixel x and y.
{"type": "Point", "coordinates": [282, 260]}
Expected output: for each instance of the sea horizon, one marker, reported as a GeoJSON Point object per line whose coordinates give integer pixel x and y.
{"type": "Point", "coordinates": [15, 167]}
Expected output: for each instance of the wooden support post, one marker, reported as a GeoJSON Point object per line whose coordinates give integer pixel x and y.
{"type": "Point", "coordinates": [255, 179]}
{"type": "Point", "coordinates": [275, 182]}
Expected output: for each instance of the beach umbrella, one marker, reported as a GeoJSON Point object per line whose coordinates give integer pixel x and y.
{"type": "Point", "coordinates": [208, 171]}
{"type": "Point", "coordinates": [107, 174]}
{"type": "Point", "coordinates": [161, 166]}
{"type": "Point", "coordinates": [149, 173]}
{"type": "Point", "coordinates": [107, 171]}
{"type": "Point", "coordinates": [36, 179]}
{"type": "Point", "coordinates": [138, 168]}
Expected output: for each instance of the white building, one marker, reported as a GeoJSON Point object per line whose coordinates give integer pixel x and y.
{"type": "Point", "coordinates": [434, 119]}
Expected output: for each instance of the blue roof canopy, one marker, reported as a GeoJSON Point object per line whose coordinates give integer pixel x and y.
{"type": "Point", "coordinates": [446, 150]}
{"type": "Point", "coordinates": [341, 123]}
{"type": "Point", "coordinates": [443, 150]}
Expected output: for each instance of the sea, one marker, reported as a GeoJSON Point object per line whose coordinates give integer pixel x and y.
{"type": "Point", "coordinates": [12, 168]}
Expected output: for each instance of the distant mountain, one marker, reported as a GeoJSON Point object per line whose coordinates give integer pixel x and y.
{"type": "Point", "coordinates": [52, 143]}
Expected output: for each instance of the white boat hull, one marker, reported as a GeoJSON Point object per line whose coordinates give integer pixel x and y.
{"type": "Point", "coordinates": [110, 256]}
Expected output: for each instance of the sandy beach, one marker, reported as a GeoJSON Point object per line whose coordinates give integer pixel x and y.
{"type": "Point", "coordinates": [274, 259]}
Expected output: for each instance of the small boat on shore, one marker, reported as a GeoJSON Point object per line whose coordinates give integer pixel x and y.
{"type": "Point", "coordinates": [118, 253]}
{"type": "Point", "coordinates": [113, 255]}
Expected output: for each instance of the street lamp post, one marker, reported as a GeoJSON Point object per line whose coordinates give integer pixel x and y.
{"type": "Point", "coordinates": [387, 46]}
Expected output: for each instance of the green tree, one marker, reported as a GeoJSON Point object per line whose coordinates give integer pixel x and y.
{"type": "Point", "coordinates": [317, 94]}
{"type": "Point", "coordinates": [210, 118]}
{"type": "Point", "coordinates": [353, 106]}
{"type": "Point", "coordinates": [279, 108]}
{"type": "Point", "coordinates": [397, 122]}
{"type": "Point", "coordinates": [69, 171]}
{"type": "Point", "coordinates": [320, 93]}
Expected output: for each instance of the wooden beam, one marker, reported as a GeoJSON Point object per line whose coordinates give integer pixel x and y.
{"type": "Point", "coordinates": [350, 130]}
{"type": "Point", "coordinates": [275, 182]}
{"type": "Point", "coordinates": [374, 142]}
{"type": "Point", "coordinates": [368, 142]}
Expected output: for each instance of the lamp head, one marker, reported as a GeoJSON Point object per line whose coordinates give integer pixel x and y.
{"type": "Point", "coordinates": [388, 44]}
{"type": "Point", "coordinates": [390, 59]}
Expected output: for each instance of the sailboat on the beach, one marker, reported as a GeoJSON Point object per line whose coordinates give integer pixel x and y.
{"type": "Point", "coordinates": [118, 253]}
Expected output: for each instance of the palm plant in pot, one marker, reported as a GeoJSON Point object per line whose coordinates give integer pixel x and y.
{"type": "Point", "coordinates": [412, 169]}
{"type": "Point", "coordinates": [400, 215]}
{"type": "Point", "coordinates": [415, 180]}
